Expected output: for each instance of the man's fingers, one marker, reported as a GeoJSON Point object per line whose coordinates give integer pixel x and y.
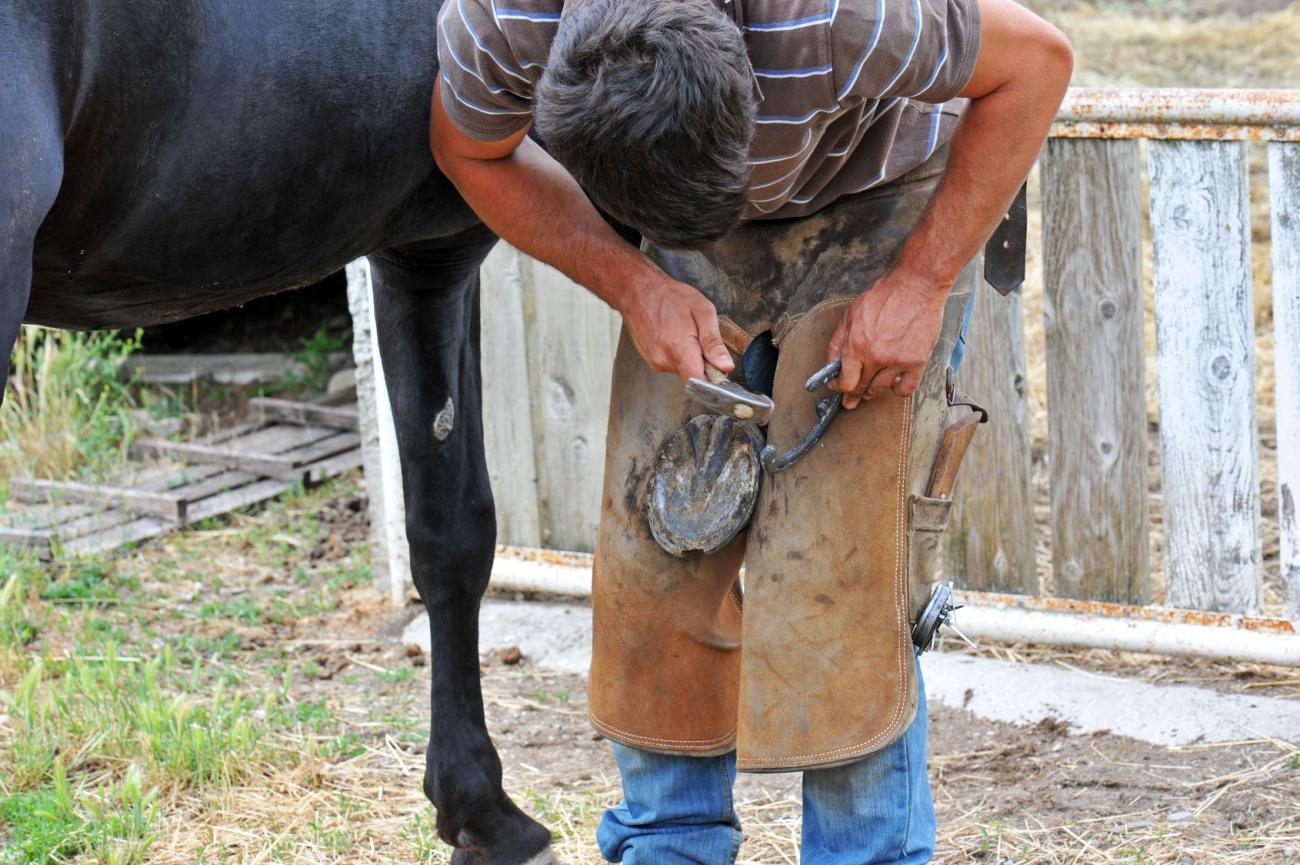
{"type": "Point", "coordinates": [689, 359]}
{"type": "Point", "coordinates": [835, 348]}
{"type": "Point", "coordinates": [884, 380]}
{"type": "Point", "coordinates": [713, 349]}
{"type": "Point", "coordinates": [907, 385]}
{"type": "Point", "coordinates": [848, 381]}
{"type": "Point", "coordinates": [711, 344]}
{"type": "Point", "coordinates": [850, 374]}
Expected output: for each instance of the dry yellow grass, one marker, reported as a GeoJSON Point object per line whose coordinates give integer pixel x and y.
{"type": "Point", "coordinates": [1115, 49]}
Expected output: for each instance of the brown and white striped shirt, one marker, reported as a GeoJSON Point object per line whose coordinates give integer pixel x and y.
{"type": "Point", "coordinates": [851, 93]}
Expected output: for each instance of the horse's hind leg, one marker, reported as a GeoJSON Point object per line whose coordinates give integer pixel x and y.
{"type": "Point", "coordinates": [31, 169]}
{"type": "Point", "coordinates": [426, 311]}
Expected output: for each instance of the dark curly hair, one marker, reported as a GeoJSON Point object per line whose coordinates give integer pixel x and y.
{"type": "Point", "coordinates": [649, 105]}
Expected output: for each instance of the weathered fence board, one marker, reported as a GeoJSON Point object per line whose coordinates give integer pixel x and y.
{"type": "Point", "coordinates": [571, 342]}
{"type": "Point", "coordinates": [507, 413]}
{"type": "Point", "coordinates": [1200, 231]}
{"type": "Point", "coordinates": [1092, 274]}
{"type": "Point", "coordinates": [991, 543]}
{"type": "Point", "coordinates": [1284, 184]}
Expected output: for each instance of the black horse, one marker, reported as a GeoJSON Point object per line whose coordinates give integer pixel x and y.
{"type": "Point", "coordinates": [163, 158]}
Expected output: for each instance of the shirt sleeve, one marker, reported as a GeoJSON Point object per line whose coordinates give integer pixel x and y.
{"type": "Point", "coordinates": [915, 49]}
{"type": "Point", "coordinates": [485, 91]}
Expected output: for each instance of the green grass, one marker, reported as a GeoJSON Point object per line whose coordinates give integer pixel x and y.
{"type": "Point", "coordinates": [85, 582]}
{"type": "Point", "coordinates": [101, 725]}
{"type": "Point", "coordinates": [104, 708]}
{"type": "Point", "coordinates": [121, 704]}
{"type": "Point", "coordinates": [67, 408]}
{"type": "Point", "coordinates": [421, 833]}
{"type": "Point", "coordinates": [16, 629]}
{"type": "Point", "coordinates": [54, 825]}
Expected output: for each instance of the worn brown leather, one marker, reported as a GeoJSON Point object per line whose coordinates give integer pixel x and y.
{"type": "Point", "coordinates": [827, 671]}
{"type": "Point", "coordinates": [666, 643]}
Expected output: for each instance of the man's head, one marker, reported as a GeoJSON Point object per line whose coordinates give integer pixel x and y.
{"type": "Point", "coordinates": [649, 104]}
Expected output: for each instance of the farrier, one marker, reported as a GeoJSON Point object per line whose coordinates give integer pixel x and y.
{"type": "Point", "coordinates": [811, 181]}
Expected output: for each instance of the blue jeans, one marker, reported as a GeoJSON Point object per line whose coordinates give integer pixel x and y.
{"type": "Point", "coordinates": [678, 810]}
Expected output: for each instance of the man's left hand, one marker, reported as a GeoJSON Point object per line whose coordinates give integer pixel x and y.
{"type": "Point", "coordinates": [886, 336]}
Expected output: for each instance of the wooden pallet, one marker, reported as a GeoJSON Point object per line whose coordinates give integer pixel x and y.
{"type": "Point", "coordinates": [285, 443]}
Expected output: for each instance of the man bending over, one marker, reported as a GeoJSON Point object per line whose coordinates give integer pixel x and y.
{"type": "Point", "coordinates": [819, 175]}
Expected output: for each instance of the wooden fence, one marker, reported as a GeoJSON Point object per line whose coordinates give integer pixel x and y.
{"type": "Point", "coordinates": [548, 346]}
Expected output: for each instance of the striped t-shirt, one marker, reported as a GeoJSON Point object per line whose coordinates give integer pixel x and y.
{"type": "Point", "coordinates": [851, 93]}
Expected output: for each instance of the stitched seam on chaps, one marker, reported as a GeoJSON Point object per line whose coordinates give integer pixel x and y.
{"type": "Point", "coordinates": [903, 685]}
{"type": "Point", "coordinates": [900, 575]}
{"type": "Point", "coordinates": [648, 740]}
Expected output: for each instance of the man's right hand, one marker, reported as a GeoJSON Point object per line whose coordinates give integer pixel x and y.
{"type": "Point", "coordinates": [674, 327]}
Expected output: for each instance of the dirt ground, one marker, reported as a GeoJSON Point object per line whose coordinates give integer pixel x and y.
{"type": "Point", "coordinates": [348, 789]}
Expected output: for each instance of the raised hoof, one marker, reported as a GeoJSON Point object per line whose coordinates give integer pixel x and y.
{"type": "Point", "coordinates": [705, 484]}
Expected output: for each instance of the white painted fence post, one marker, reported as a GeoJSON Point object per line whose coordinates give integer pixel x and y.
{"type": "Point", "coordinates": [391, 553]}
{"type": "Point", "coordinates": [1284, 185]}
{"type": "Point", "coordinates": [1205, 334]}
{"type": "Point", "coordinates": [362, 355]}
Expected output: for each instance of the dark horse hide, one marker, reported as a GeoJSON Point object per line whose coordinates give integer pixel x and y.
{"type": "Point", "coordinates": [163, 158]}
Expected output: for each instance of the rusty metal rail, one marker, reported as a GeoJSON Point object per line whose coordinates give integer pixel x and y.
{"type": "Point", "coordinates": [1003, 617]}
{"type": "Point", "coordinates": [1177, 113]}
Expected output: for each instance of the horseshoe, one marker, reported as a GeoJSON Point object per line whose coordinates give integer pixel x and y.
{"type": "Point", "coordinates": [827, 408]}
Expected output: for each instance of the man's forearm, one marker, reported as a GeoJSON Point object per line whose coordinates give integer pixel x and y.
{"type": "Point", "coordinates": [992, 151]}
{"type": "Point", "coordinates": [888, 333]}
{"type": "Point", "coordinates": [531, 202]}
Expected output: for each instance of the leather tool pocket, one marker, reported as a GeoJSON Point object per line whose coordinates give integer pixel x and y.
{"type": "Point", "coordinates": [927, 520]}
{"type": "Point", "coordinates": [928, 515]}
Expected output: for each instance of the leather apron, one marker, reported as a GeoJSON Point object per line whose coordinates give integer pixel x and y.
{"type": "Point", "coordinates": [819, 668]}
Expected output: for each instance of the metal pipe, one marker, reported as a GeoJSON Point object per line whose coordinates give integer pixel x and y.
{"type": "Point", "coordinates": [549, 572]}
{"type": "Point", "coordinates": [1179, 113]}
{"type": "Point", "coordinates": [1013, 625]}
{"type": "Point", "coordinates": [1010, 618]}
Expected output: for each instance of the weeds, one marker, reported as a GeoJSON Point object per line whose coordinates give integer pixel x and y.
{"type": "Point", "coordinates": [422, 834]}
{"type": "Point", "coordinates": [312, 366]}
{"type": "Point", "coordinates": [85, 582]}
{"type": "Point", "coordinates": [67, 410]}
{"type": "Point", "coordinates": [53, 825]}
{"type": "Point", "coordinates": [16, 629]}
{"type": "Point", "coordinates": [85, 712]}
